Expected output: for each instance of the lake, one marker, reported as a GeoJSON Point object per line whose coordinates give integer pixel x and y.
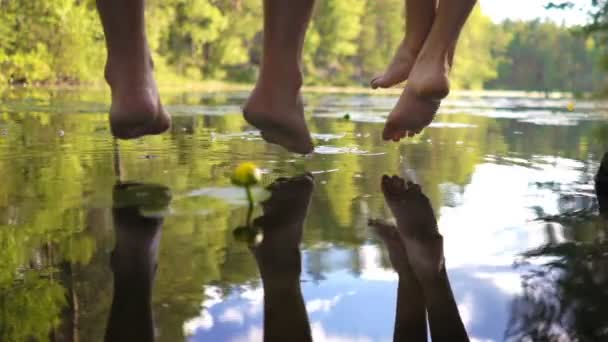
{"type": "Point", "coordinates": [90, 229]}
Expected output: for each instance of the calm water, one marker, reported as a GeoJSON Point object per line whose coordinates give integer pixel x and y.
{"type": "Point", "coordinates": [493, 168]}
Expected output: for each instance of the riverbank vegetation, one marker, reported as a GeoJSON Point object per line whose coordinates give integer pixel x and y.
{"type": "Point", "coordinates": [61, 42]}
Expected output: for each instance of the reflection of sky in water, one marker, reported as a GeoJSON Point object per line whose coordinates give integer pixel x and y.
{"type": "Point", "coordinates": [490, 164]}
{"type": "Point", "coordinates": [491, 224]}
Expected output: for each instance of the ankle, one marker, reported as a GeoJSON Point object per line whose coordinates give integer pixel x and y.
{"type": "Point", "coordinates": [128, 66]}
{"type": "Point", "coordinates": [413, 43]}
{"type": "Point", "coordinates": [275, 75]}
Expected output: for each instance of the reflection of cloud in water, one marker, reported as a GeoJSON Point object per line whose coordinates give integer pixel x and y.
{"type": "Point", "coordinates": [370, 265]}
{"type": "Point", "coordinates": [496, 205]}
{"type": "Point", "coordinates": [232, 315]}
{"type": "Point", "coordinates": [324, 305]}
{"type": "Point", "coordinates": [255, 333]}
{"type": "Point", "coordinates": [204, 321]}
{"type": "Point", "coordinates": [319, 334]}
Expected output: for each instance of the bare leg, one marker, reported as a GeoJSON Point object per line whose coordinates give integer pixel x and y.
{"type": "Point", "coordinates": [410, 318]}
{"type": "Point", "coordinates": [420, 15]}
{"type": "Point", "coordinates": [275, 106]}
{"type": "Point", "coordinates": [279, 259]}
{"type": "Point", "coordinates": [428, 82]}
{"type": "Point", "coordinates": [429, 77]}
{"type": "Point", "coordinates": [136, 108]}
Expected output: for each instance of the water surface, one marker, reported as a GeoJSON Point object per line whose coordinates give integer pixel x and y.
{"type": "Point", "coordinates": [493, 168]}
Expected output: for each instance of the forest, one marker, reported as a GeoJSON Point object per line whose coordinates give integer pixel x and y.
{"type": "Point", "coordinates": [61, 42]}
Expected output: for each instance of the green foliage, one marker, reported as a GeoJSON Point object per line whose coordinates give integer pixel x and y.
{"type": "Point", "coordinates": [57, 40]}
{"type": "Point", "coordinates": [544, 56]}
{"type": "Point", "coordinates": [347, 43]}
{"type": "Point", "coordinates": [477, 53]}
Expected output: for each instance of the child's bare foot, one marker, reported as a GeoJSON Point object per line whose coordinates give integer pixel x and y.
{"type": "Point", "coordinates": [429, 77]}
{"type": "Point", "coordinates": [136, 107]}
{"type": "Point", "coordinates": [417, 226]}
{"type": "Point", "coordinates": [411, 114]}
{"type": "Point", "coordinates": [400, 67]}
{"type": "Point", "coordinates": [277, 110]}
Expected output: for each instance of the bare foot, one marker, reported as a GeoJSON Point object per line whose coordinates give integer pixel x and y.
{"type": "Point", "coordinates": [400, 67]}
{"type": "Point", "coordinates": [416, 225]}
{"type": "Point", "coordinates": [429, 76]}
{"type": "Point", "coordinates": [136, 107]}
{"type": "Point", "coordinates": [411, 114]}
{"type": "Point", "coordinates": [278, 112]}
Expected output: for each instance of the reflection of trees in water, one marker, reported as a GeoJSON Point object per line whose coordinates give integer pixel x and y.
{"type": "Point", "coordinates": [45, 197]}
{"type": "Point", "coordinates": [566, 298]}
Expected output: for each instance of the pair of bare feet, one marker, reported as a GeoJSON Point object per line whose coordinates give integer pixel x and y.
{"type": "Point", "coordinates": [427, 84]}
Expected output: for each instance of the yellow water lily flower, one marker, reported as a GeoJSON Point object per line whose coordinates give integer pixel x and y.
{"type": "Point", "coordinates": [246, 174]}
{"type": "Point", "coordinates": [570, 106]}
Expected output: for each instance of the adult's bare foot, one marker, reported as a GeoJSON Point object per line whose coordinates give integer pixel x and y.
{"type": "Point", "coordinates": [400, 67]}
{"type": "Point", "coordinates": [277, 110]}
{"type": "Point", "coordinates": [136, 107]}
{"type": "Point", "coordinates": [416, 225]}
{"type": "Point", "coordinates": [411, 114]}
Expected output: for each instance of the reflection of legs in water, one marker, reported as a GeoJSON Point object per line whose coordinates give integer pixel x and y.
{"type": "Point", "coordinates": [410, 318]}
{"type": "Point", "coordinates": [133, 264]}
{"type": "Point", "coordinates": [417, 227]}
{"type": "Point", "coordinates": [428, 81]}
{"type": "Point", "coordinates": [136, 108]}
{"type": "Point", "coordinates": [279, 260]}
{"type": "Point", "coordinates": [275, 106]}
{"type": "Point", "coordinates": [420, 15]}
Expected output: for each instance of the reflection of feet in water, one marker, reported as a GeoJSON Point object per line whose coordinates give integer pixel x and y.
{"type": "Point", "coordinates": [417, 226]}
{"type": "Point", "coordinates": [134, 260]}
{"type": "Point", "coordinates": [282, 223]}
{"type": "Point", "coordinates": [417, 229]}
{"type": "Point", "coordinates": [396, 250]}
{"type": "Point", "coordinates": [276, 109]}
{"type": "Point", "coordinates": [136, 107]}
{"type": "Point", "coordinates": [279, 259]}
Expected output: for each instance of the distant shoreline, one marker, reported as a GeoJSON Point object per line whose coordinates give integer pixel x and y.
{"type": "Point", "coordinates": [214, 86]}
